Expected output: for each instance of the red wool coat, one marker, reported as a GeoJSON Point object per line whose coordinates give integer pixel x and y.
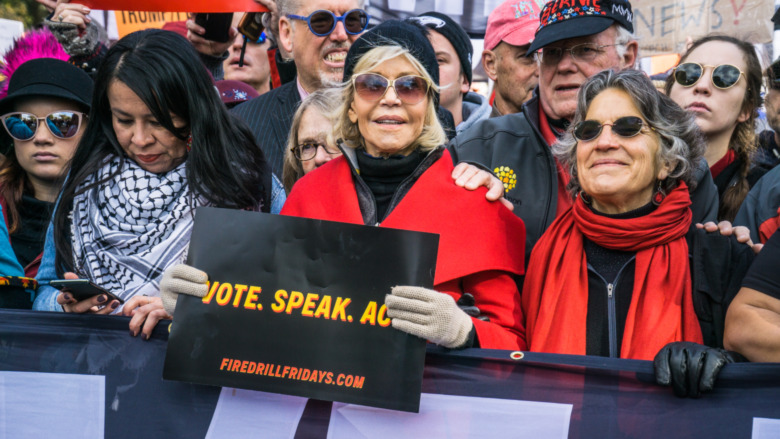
{"type": "Point", "coordinates": [481, 244]}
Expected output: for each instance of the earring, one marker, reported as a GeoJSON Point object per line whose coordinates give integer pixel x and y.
{"type": "Point", "coordinates": [189, 142]}
{"type": "Point", "coordinates": [659, 195]}
{"type": "Point", "coordinates": [586, 198]}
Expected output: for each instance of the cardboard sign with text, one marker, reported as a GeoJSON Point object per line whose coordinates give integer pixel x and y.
{"type": "Point", "coordinates": [662, 26]}
{"type": "Point", "coordinates": [128, 22]}
{"type": "Point", "coordinates": [296, 306]}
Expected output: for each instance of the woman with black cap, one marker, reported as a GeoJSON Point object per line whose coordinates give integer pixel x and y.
{"type": "Point", "coordinates": [43, 116]}
{"type": "Point", "coordinates": [396, 173]}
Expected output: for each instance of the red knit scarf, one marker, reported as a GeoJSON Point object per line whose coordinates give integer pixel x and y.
{"type": "Point", "coordinates": [555, 293]}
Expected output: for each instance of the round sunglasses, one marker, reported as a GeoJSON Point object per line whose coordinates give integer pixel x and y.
{"type": "Point", "coordinates": [323, 22]}
{"type": "Point", "coordinates": [410, 89]}
{"type": "Point", "coordinates": [62, 124]}
{"type": "Point", "coordinates": [628, 126]}
{"type": "Point", "coordinates": [723, 76]}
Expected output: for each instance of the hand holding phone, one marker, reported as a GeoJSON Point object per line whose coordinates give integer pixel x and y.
{"type": "Point", "coordinates": [82, 289]}
{"type": "Point", "coordinates": [217, 25]}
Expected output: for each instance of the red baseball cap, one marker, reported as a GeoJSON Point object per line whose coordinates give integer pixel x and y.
{"type": "Point", "coordinates": [514, 22]}
{"type": "Point", "coordinates": [235, 92]}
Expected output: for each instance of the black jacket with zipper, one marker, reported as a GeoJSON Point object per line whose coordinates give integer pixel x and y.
{"type": "Point", "coordinates": [718, 264]}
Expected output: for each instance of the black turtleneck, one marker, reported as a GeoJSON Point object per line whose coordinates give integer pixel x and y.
{"type": "Point", "coordinates": [384, 175]}
{"type": "Point", "coordinates": [607, 263]}
{"type": "Point", "coordinates": [27, 240]}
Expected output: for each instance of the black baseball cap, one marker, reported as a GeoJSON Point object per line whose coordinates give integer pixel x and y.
{"type": "Point", "coordinates": [564, 19]}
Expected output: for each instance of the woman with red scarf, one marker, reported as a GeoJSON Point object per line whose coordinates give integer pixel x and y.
{"type": "Point", "coordinates": [613, 276]}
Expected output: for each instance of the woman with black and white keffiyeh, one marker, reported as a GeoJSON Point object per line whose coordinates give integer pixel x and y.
{"type": "Point", "coordinates": [159, 143]}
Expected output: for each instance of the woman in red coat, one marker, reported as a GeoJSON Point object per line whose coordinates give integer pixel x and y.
{"type": "Point", "coordinates": [396, 173]}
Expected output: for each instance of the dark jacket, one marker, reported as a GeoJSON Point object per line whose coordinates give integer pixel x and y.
{"type": "Point", "coordinates": [718, 264]}
{"type": "Point", "coordinates": [270, 116]}
{"type": "Point", "coordinates": [759, 210]}
{"type": "Point", "coordinates": [515, 145]}
{"type": "Point", "coordinates": [768, 154]}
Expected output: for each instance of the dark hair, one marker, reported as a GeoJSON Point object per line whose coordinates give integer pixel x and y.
{"type": "Point", "coordinates": [743, 140]}
{"type": "Point", "coordinates": [773, 75]}
{"type": "Point", "coordinates": [225, 166]}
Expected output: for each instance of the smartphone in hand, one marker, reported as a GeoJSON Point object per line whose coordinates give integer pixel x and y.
{"type": "Point", "coordinates": [217, 25]}
{"type": "Point", "coordinates": [82, 289]}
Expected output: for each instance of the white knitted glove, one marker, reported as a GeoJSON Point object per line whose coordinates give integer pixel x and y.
{"type": "Point", "coordinates": [429, 314]}
{"type": "Point", "coordinates": [181, 279]}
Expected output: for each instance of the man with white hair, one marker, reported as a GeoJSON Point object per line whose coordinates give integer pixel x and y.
{"type": "Point", "coordinates": [318, 34]}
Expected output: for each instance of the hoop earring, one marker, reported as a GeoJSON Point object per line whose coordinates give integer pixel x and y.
{"type": "Point", "coordinates": [659, 195]}
{"type": "Point", "coordinates": [586, 198]}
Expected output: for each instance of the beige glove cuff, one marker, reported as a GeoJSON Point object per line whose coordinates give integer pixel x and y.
{"type": "Point", "coordinates": [428, 314]}
{"type": "Point", "coordinates": [181, 279]}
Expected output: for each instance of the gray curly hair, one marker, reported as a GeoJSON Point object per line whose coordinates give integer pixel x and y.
{"type": "Point", "coordinates": [680, 141]}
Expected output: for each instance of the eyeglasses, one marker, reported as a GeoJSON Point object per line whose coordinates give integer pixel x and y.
{"type": "Point", "coordinates": [628, 126]}
{"type": "Point", "coordinates": [62, 124]}
{"type": "Point", "coordinates": [409, 89]}
{"type": "Point", "coordinates": [724, 76]}
{"type": "Point", "coordinates": [586, 52]}
{"type": "Point", "coordinates": [308, 150]}
{"type": "Point", "coordinates": [260, 40]}
{"type": "Point", "coordinates": [323, 22]}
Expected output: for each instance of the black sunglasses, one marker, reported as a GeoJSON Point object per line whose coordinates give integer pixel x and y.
{"type": "Point", "coordinates": [323, 22]}
{"type": "Point", "coordinates": [410, 89]}
{"type": "Point", "coordinates": [723, 76]}
{"type": "Point", "coordinates": [62, 124]}
{"type": "Point", "coordinates": [628, 126]}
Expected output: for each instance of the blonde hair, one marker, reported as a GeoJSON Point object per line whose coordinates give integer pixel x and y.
{"type": "Point", "coordinates": [324, 101]}
{"type": "Point", "coordinates": [432, 134]}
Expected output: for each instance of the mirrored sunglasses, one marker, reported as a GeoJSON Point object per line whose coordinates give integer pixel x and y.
{"type": "Point", "coordinates": [260, 40]}
{"type": "Point", "coordinates": [628, 126]}
{"type": "Point", "coordinates": [62, 124]}
{"type": "Point", "coordinates": [323, 22]}
{"type": "Point", "coordinates": [409, 89]}
{"type": "Point", "coordinates": [723, 76]}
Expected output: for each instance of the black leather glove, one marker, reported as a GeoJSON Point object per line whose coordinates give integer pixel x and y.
{"type": "Point", "coordinates": [691, 368]}
{"type": "Point", "coordinates": [469, 306]}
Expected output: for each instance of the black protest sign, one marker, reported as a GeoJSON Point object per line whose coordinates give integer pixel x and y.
{"type": "Point", "coordinates": [296, 306]}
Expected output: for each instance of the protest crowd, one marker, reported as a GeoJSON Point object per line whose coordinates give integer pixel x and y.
{"type": "Point", "coordinates": [580, 209]}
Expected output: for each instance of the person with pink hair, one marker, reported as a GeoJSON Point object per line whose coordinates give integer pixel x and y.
{"type": "Point", "coordinates": [33, 44]}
